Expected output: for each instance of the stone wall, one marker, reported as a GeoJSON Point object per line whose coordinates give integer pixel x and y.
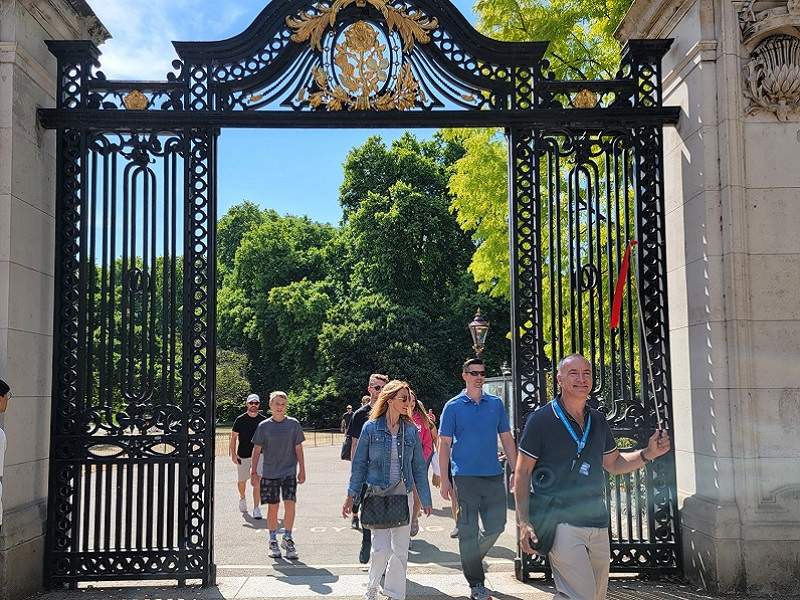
{"type": "Point", "coordinates": [733, 216]}
{"type": "Point", "coordinates": [27, 208]}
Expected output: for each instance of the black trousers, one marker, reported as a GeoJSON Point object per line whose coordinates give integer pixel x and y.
{"type": "Point", "coordinates": [481, 498]}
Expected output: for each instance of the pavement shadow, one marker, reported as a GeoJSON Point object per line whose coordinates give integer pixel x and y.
{"type": "Point", "coordinates": [314, 578]}
{"type": "Point", "coordinates": [158, 592]}
{"type": "Point", "coordinates": [422, 551]}
{"type": "Point", "coordinates": [501, 552]}
{"type": "Point", "coordinates": [442, 512]}
{"type": "Point", "coordinates": [250, 523]}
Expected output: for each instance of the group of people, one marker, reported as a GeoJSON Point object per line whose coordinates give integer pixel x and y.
{"type": "Point", "coordinates": [558, 475]}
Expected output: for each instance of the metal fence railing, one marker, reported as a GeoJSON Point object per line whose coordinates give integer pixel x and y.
{"type": "Point", "coordinates": [314, 438]}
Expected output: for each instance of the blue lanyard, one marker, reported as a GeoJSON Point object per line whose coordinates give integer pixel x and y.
{"type": "Point", "coordinates": [581, 443]}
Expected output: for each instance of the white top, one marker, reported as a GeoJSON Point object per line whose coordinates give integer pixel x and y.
{"type": "Point", "coordinates": [394, 462]}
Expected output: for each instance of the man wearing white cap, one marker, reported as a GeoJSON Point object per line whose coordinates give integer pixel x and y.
{"type": "Point", "coordinates": [241, 449]}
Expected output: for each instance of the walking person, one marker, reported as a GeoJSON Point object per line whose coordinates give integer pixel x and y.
{"type": "Point", "coordinates": [389, 452]}
{"type": "Point", "coordinates": [5, 396]}
{"type": "Point", "coordinates": [374, 387]}
{"type": "Point", "coordinates": [429, 439]}
{"type": "Point", "coordinates": [280, 438]}
{"type": "Point", "coordinates": [470, 425]}
{"type": "Point", "coordinates": [241, 451]}
{"type": "Point", "coordinates": [564, 448]}
{"type": "Point", "coordinates": [346, 418]}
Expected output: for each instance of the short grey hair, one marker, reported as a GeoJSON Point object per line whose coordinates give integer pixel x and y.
{"type": "Point", "coordinates": [564, 360]}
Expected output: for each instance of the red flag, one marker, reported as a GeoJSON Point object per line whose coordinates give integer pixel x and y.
{"type": "Point", "coordinates": [619, 290]}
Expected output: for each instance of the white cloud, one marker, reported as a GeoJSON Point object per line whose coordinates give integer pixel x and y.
{"type": "Point", "coordinates": [142, 32]}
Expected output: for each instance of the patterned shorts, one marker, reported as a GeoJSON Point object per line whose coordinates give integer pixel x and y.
{"type": "Point", "coordinates": [272, 490]}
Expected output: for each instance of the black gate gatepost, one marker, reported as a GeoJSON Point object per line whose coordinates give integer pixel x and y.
{"type": "Point", "coordinates": [578, 195]}
{"type": "Point", "coordinates": [132, 435]}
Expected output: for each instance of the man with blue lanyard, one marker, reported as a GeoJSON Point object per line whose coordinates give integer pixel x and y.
{"type": "Point", "coordinates": [468, 433]}
{"type": "Point", "coordinates": [565, 448]}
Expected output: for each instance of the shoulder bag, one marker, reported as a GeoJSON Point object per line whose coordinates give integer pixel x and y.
{"type": "Point", "coordinates": [384, 508]}
{"type": "Point", "coordinates": [347, 448]}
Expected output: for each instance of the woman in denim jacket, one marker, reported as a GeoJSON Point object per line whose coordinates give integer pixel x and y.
{"type": "Point", "coordinates": [380, 461]}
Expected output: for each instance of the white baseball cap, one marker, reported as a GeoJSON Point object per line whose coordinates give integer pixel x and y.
{"type": "Point", "coordinates": [253, 398]}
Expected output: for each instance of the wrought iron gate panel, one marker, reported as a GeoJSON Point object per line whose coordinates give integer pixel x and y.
{"type": "Point", "coordinates": [131, 475]}
{"type": "Point", "coordinates": [578, 195]}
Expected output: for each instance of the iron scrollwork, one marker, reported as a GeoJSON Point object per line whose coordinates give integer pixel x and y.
{"type": "Point", "coordinates": [132, 435]}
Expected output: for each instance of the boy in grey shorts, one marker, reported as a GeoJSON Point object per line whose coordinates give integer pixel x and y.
{"type": "Point", "coordinates": [280, 438]}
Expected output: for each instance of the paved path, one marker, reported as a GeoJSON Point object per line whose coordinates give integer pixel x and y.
{"type": "Point", "coordinates": [328, 548]}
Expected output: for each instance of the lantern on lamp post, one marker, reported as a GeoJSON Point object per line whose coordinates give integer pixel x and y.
{"type": "Point", "coordinates": [479, 328]}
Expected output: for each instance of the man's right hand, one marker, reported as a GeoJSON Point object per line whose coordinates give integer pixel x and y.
{"type": "Point", "coordinates": [254, 478]}
{"type": "Point", "coordinates": [527, 536]}
{"type": "Point", "coordinates": [446, 489]}
{"type": "Point", "coordinates": [235, 459]}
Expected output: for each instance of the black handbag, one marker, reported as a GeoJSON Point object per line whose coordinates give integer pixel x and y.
{"type": "Point", "coordinates": [384, 508]}
{"type": "Point", "coordinates": [347, 448]}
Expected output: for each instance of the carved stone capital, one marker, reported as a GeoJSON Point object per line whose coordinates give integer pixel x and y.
{"type": "Point", "coordinates": [759, 19]}
{"type": "Point", "coordinates": [772, 77]}
{"type": "Point", "coordinates": [771, 36]}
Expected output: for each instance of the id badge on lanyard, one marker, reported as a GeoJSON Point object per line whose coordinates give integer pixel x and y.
{"type": "Point", "coordinates": [579, 442]}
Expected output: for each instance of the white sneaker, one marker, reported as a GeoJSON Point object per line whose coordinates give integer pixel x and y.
{"type": "Point", "coordinates": [290, 551]}
{"type": "Point", "coordinates": [257, 513]}
{"type": "Point", "coordinates": [242, 505]}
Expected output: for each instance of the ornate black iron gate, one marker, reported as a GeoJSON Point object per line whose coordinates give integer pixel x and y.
{"type": "Point", "coordinates": [131, 473]}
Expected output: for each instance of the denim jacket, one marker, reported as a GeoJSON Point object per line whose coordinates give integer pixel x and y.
{"type": "Point", "coordinates": [371, 462]}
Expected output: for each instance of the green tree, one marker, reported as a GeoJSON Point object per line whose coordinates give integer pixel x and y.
{"type": "Point", "coordinates": [582, 45]}
{"type": "Point", "coordinates": [409, 294]}
{"type": "Point", "coordinates": [232, 385]}
{"type": "Point", "coordinates": [231, 228]}
{"type": "Point", "coordinates": [279, 251]}
{"type": "Point", "coordinates": [580, 32]}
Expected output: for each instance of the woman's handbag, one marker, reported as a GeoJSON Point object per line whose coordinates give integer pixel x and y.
{"type": "Point", "coordinates": [384, 508]}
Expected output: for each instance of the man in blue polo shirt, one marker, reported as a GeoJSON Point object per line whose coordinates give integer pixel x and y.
{"type": "Point", "coordinates": [468, 434]}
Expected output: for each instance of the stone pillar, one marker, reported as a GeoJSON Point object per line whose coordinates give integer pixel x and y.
{"type": "Point", "coordinates": [733, 216]}
{"type": "Point", "coordinates": [27, 192]}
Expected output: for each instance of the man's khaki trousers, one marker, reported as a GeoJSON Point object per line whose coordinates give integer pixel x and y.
{"type": "Point", "coordinates": [580, 559]}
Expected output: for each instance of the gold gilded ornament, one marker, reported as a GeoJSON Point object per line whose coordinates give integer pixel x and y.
{"type": "Point", "coordinates": [362, 71]}
{"type": "Point", "coordinates": [585, 99]}
{"type": "Point", "coordinates": [135, 100]}
{"type": "Point", "coordinates": [311, 27]}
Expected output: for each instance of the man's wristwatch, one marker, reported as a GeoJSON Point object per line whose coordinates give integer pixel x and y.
{"type": "Point", "coordinates": [645, 460]}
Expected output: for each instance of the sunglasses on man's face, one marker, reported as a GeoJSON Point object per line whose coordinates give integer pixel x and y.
{"type": "Point", "coordinates": [477, 373]}
{"type": "Point", "coordinates": [377, 388]}
{"type": "Point", "coordinates": [253, 403]}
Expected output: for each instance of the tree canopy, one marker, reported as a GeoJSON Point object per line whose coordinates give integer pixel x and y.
{"type": "Point", "coordinates": [582, 46]}
{"type": "Point", "coordinates": [317, 308]}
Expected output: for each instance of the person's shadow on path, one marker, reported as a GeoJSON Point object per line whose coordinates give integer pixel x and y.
{"type": "Point", "coordinates": [250, 523]}
{"type": "Point", "coordinates": [314, 578]}
{"type": "Point", "coordinates": [422, 551]}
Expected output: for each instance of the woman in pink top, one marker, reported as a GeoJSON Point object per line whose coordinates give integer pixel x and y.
{"type": "Point", "coordinates": [429, 438]}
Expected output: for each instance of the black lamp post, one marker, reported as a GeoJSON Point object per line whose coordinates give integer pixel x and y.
{"type": "Point", "coordinates": [479, 328]}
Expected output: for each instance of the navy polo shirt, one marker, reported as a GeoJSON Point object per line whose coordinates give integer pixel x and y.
{"type": "Point", "coordinates": [474, 428]}
{"type": "Point", "coordinates": [581, 490]}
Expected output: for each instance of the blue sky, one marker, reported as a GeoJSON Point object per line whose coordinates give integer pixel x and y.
{"type": "Point", "coordinates": [292, 171]}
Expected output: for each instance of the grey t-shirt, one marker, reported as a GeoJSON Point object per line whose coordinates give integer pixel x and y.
{"type": "Point", "coordinates": [278, 440]}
